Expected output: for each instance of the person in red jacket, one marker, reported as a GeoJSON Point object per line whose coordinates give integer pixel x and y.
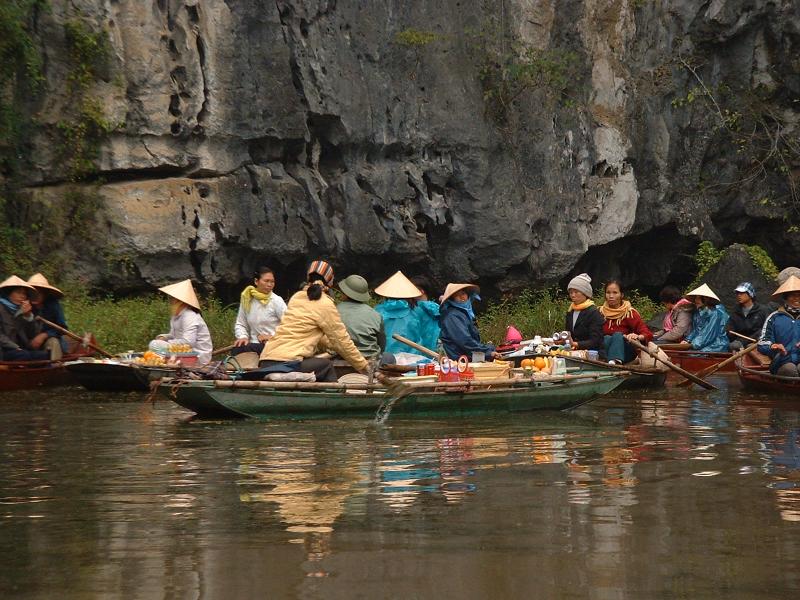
{"type": "Point", "coordinates": [622, 322]}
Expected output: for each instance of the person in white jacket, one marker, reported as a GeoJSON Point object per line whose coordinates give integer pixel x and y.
{"type": "Point", "coordinates": [186, 325]}
{"type": "Point", "coordinates": [260, 313]}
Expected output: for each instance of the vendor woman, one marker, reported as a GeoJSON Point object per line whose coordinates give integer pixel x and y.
{"type": "Point", "coordinates": [709, 323]}
{"type": "Point", "coordinates": [186, 325]}
{"type": "Point", "coordinates": [622, 323]}
{"type": "Point", "coordinates": [459, 333]}
{"type": "Point", "coordinates": [780, 337]}
{"type": "Point", "coordinates": [311, 321]}
{"type": "Point", "coordinates": [260, 313]}
{"type": "Point", "coordinates": [583, 321]}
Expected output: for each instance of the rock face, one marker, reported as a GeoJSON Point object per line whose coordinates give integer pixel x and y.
{"type": "Point", "coordinates": [279, 131]}
{"type": "Point", "coordinates": [734, 267]}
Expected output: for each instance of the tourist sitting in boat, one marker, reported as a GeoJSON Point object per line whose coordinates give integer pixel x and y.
{"type": "Point", "coordinates": [678, 320]}
{"type": "Point", "coordinates": [583, 321]}
{"type": "Point", "coordinates": [46, 302]}
{"type": "Point", "coordinates": [780, 336]}
{"type": "Point", "coordinates": [709, 323]}
{"type": "Point", "coordinates": [407, 312]}
{"type": "Point", "coordinates": [17, 325]}
{"type": "Point", "coordinates": [622, 322]}
{"type": "Point", "coordinates": [260, 313]}
{"type": "Point", "coordinates": [459, 333]}
{"type": "Point", "coordinates": [310, 316]}
{"type": "Point", "coordinates": [186, 325]}
{"type": "Point", "coordinates": [748, 317]}
{"type": "Point", "coordinates": [363, 323]}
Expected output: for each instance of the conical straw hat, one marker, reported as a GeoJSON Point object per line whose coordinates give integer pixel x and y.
{"type": "Point", "coordinates": [182, 291]}
{"type": "Point", "coordinates": [790, 285]}
{"type": "Point", "coordinates": [40, 281]}
{"type": "Point", "coordinates": [452, 288]}
{"type": "Point", "coordinates": [398, 286]}
{"type": "Point", "coordinates": [704, 291]}
{"type": "Point", "coordinates": [15, 281]}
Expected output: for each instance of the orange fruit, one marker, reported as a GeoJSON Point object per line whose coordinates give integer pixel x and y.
{"type": "Point", "coordinates": [539, 362]}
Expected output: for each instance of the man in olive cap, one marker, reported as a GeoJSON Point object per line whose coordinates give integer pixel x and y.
{"type": "Point", "coordinates": [363, 323]}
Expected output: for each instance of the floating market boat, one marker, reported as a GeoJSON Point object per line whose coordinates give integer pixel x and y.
{"type": "Point", "coordinates": [116, 376]}
{"type": "Point", "coordinates": [276, 400]}
{"type": "Point", "coordinates": [32, 374]}
{"type": "Point", "coordinates": [694, 361]}
{"type": "Point", "coordinates": [755, 375]}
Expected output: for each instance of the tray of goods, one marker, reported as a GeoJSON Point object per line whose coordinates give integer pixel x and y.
{"type": "Point", "coordinates": [490, 370]}
{"type": "Point", "coordinates": [150, 359]}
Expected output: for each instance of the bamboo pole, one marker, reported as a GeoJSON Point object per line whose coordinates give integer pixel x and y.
{"type": "Point", "coordinates": [674, 367]}
{"type": "Point", "coordinates": [423, 349]}
{"type": "Point", "coordinates": [714, 368]}
{"type": "Point", "coordinates": [75, 336]}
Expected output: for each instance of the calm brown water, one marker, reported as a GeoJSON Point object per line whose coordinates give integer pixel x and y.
{"type": "Point", "coordinates": [657, 495]}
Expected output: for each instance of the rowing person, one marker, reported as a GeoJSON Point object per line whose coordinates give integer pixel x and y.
{"type": "Point", "coordinates": [780, 336]}
{"type": "Point", "coordinates": [186, 325]}
{"type": "Point", "coordinates": [709, 333]}
{"type": "Point", "coordinates": [748, 317]}
{"type": "Point", "coordinates": [17, 325]}
{"type": "Point", "coordinates": [459, 333]}
{"type": "Point", "coordinates": [46, 301]}
{"type": "Point", "coordinates": [622, 322]}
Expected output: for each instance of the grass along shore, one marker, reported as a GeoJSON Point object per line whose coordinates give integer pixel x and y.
{"type": "Point", "coordinates": [122, 324]}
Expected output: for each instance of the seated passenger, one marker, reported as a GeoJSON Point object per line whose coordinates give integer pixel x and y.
{"type": "Point", "coordinates": [780, 337]}
{"type": "Point", "coordinates": [427, 313]}
{"type": "Point", "coordinates": [678, 320]}
{"type": "Point", "coordinates": [17, 325]}
{"type": "Point", "coordinates": [407, 312]}
{"type": "Point", "coordinates": [622, 322]}
{"type": "Point", "coordinates": [311, 315]}
{"type": "Point", "coordinates": [583, 320]}
{"type": "Point", "coordinates": [46, 301]}
{"type": "Point", "coordinates": [260, 313]}
{"type": "Point", "coordinates": [186, 325]}
{"type": "Point", "coordinates": [709, 333]}
{"type": "Point", "coordinates": [459, 333]}
{"type": "Point", "coordinates": [363, 323]}
{"type": "Point", "coordinates": [748, 318]}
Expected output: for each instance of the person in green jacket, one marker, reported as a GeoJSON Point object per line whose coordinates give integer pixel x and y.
{"type": "Point", "coordinates": [363, 323]}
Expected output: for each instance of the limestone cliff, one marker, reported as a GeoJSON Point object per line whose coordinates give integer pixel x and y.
{"type": "Point", "coordinates": [243, 132]}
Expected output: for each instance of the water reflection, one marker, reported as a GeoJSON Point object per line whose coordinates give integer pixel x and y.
{"type": "Point", "coordinates": [610, 501]}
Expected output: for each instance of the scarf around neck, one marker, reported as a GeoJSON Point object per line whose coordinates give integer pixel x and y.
{"type": "Point", "coordinates": [617, 315]}
{"type": "Point", "coordinates": [669, 324]}
{"type": "Point", "coordinates": [251, 292]}
{"type": "Point", "coordinates": [467, 306]}
{"type": "Point", "coordinates": [583, 305]}
{"type": "Point", "coordinates": [9, 304]}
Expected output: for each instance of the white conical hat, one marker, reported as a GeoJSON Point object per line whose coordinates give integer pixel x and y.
{"type": "Point", "coordinates": [790, 285]}
{"type": "Point", "coordinates": [704, 291]}
{"type": "Point", "coordinates": [40, 281]}
{"type": "Point", "coordinates": [15, 281]}
{"type": "Point", "coordinates": [182, 291]}
{"type": "Point", "coordinates": [452, 288]}
{"type": "Point", "coordinates": [398, 286]}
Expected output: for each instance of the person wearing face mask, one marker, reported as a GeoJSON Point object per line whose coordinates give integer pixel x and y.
{"type": "Point", "coordinates": [622, 322]}
{"type": "Point", "coordinates": [186, 325]}
{"type": "Point", "coordinates": [780, 336]}
{"type": "Point", "coordinates": [260, 313]}
{"type": "Point", "coordinates": [583, 320]}
{"type": "Point", "coordinates": [459, 333]}
{"type": "Point", "coordinates": [709, 322]}
{"type": "Point", "coordinates": [18, 328]}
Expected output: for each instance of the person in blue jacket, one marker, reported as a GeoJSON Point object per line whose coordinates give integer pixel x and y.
{"type": "Point", "coordinates": [407, 312]}
{"type": "Point", "coordinates": [780, 336]}
{"type": "Point", "coordinates": [459, 333]}
{"type": "Point", "coordinates": [709, 323]}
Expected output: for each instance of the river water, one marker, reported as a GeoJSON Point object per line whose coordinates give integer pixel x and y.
{"type": "Point", "coordinates": [666, 494]}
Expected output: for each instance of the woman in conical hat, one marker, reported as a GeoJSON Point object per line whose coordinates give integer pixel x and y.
{"type": "Point", "coordinates": [780, 337]}
{"type": "Point", "coordinates": [186, 325]}
{"type": "Point", "coordinates": [709, 322]}
{"type": "Point", "coordinates": [406, 311]}
{"type": "Point", "coordinates": [46, 301]}
{"type": "Point", "coordinates": [17, 325]}
{"type": "Point", "coordinates": [460, 336]}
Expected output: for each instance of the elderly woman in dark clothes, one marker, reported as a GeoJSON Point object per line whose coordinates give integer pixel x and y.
{"type": "Point", "coordinates": [583, 321]}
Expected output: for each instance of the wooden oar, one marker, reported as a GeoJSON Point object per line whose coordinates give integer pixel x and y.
{"type": "Point", "coordinates": [75, 336]}
{"type": "Point", "coordinates": [223, 350]}
{"type": "Point", "coordinates": [744, 337]}
{"type": "Point", "coordinates": [714, 368]}
{"type": "Point", "coordinates": [674, 367]}
{"type": "Point", "coordinates": [416, 346]}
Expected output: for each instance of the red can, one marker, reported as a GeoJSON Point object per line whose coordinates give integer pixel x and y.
{"type": "Point", "coordinates": [430, 369]}
{"type": "Point", "coordinates": [420, 370]}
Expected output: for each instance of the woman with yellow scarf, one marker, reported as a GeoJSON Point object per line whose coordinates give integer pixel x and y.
{"type": "Point", "coordinates": [584, 322]}
{"type": "Point", "coordinates": [622, 322]}
{"type": "Point", "coordinates": [260, 313]}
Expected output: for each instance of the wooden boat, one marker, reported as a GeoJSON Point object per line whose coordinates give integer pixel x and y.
{"type": "Point", "coordinates": [116, 376]}
{"type": "Point", "coordinates": [268, 400]}
{"type": "Point", "coordinates": [754, 375]}
{"type": "Point", "coordinates": [28, 375]}
{"type": "Point", "coordinates": [693, 360]}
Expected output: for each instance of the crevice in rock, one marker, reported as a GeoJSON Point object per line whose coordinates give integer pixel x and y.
{"type": "Point", "coordinates": [255, 189]}
{"type": "Point", "coordinates": [201, 116]}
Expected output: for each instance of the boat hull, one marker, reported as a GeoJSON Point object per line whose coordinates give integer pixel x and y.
{"type": "Point", "coordinates": [115, 377]}
{"type": "Point", "coordinates": [19, 376]}
{"type": "Point", "coordinates": [694, 361]}
{"type": "Point", "coordinates": [206, 399]}
{"type": "Point", "coordinates": [756, 377]}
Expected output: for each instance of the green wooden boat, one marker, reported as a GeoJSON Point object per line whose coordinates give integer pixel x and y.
{"type": "Point", "coordinates": [265, 400]}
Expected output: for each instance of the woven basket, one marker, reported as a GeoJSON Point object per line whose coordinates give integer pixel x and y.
{"type": "Point", "coordinates": [491, 370]}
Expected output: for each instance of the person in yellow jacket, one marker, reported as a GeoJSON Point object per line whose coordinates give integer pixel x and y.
{"type": "Point", "coordinates": [311, 320]}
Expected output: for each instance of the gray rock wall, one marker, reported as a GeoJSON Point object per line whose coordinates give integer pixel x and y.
{"type": "Point", "coordinates": [275, 131]}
